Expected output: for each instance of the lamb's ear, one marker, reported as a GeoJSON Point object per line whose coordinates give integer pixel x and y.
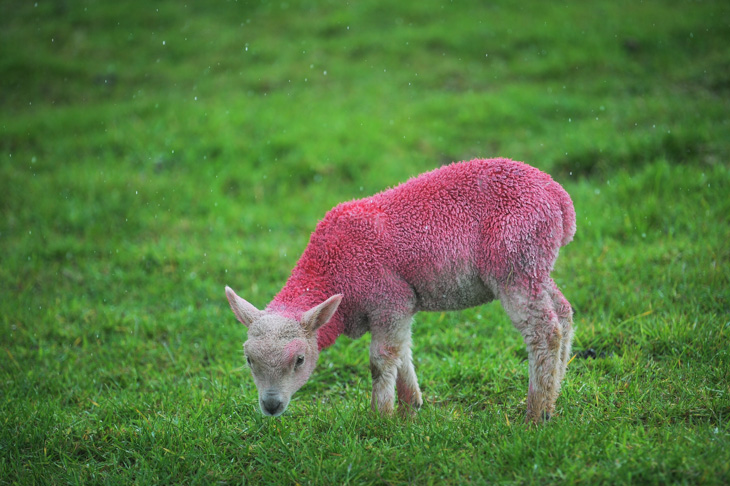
{"type": "Point", "coordinates": [318, 316]}
{"type": "Point", "coordinates": [245, 312]}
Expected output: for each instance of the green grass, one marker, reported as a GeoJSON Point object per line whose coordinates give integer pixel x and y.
{"type": "Point", "coordinates": [151, 153]}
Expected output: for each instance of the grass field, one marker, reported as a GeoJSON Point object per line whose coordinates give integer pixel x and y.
{"type": "Point", "coordinates": [153, 152]}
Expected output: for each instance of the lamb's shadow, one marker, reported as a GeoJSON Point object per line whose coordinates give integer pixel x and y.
{"type": "Point", "coordinates": [591, 353]}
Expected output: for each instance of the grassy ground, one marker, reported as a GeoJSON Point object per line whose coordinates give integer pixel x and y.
{"type": "Point", "coordinates": [152, 152]}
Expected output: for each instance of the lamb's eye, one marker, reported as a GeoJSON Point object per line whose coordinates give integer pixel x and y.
{"type": "Point", "coordinates": [300, 361]}
{"type": "Point", "coordinates": [248, 360]}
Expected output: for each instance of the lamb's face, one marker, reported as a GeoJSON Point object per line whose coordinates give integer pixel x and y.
{"type": "Point", "coordinates": [281, 352]}
{"type": "Point", "coordinates": [281, 357]}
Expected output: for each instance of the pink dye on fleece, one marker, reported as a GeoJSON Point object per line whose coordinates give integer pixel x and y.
{"type": "Point", "coordinates": [449, 239]}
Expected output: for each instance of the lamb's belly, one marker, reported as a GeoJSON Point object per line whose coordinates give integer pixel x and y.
{"type": "Point", "coordinates": [451, 292]}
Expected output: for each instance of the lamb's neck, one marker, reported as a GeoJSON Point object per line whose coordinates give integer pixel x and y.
{"type": "Point", "coordinates": [299, 296]}
{"type": "Point", "coordinates": [292, 301]}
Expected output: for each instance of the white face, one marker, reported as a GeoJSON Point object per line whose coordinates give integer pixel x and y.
{"type": "Point", "coordinates": [281, 352]}
{"type": "Point", "coordinates": [281, 359]}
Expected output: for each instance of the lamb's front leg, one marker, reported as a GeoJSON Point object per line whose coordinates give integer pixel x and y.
{"type": "Point", "coordinates": [406, 383]}
{"type": "Point", "coordinates": [391, 364]}
{"type": "Point", "coordinates": [384, 363]}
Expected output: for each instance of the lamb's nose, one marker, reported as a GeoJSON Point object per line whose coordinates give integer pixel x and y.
{"type": "Point", "coordinates": [272, 406]}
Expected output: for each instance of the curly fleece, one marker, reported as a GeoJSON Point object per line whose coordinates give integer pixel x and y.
{"type": "Point", "coordinates": [452, 238]}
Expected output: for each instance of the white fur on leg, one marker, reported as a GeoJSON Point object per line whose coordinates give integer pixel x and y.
{"type": "Point", "coordinates": [384, 362]}
{"type": "Point", "coordinates": [532, 312]}
{"type": "Point", "coordinates": [391, 365]}
{"type": "Point", "coordinates": [409, 393]}
{"type": "Point", "coordinates": [564, 312]}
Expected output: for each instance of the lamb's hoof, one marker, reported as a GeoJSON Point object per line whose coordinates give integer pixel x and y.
{"type": "Point", "coordinates": [538, 419]}
{"type": "Point", "coordinates": [418, 402]}
{"type": "Point", "coordinates": [384, 409]}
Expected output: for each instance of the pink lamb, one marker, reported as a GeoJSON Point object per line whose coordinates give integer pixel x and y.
{"type": "Point", "coordinates": [457, 237]}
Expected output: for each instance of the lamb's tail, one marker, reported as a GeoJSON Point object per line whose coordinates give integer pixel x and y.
{"type": "Point", "coordinates": [568, 211]}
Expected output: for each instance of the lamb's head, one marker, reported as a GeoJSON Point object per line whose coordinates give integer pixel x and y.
{"type": "Point", "coordinates": [281, 352]}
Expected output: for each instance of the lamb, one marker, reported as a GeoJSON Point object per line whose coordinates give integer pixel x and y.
{"type": "Point", "coordinates": [453, 238]}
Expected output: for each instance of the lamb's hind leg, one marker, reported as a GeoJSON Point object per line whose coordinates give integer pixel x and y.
{"type": "Point", "coordinates": [564, 312]}
{"type": "Point", "coordinates": [531, 310]}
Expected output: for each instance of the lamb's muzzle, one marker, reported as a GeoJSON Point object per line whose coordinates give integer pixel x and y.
{"type": "Point", "coordinates": [272, 405]}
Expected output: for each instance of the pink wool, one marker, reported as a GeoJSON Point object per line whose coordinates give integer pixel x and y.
{"type": "Point", "coordinates": [449, 239]}
{"type": "Point", "coordinates": [453, 238]}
